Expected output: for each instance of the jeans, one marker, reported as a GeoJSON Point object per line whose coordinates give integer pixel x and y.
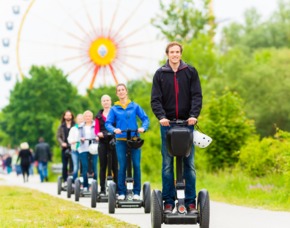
{"type": "Point", "coordinates": [42, 169]}
{"type": "Point", "coordinates": [121, 148]}
{"type": "Point", "coordinates": [84, 158]}
{"type": "Point", "coordinates": [168, 188]}
{"type": "Point", "coordinates": [75, 159]}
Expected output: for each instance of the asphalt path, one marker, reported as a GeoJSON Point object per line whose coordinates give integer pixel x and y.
{"type": "Point", "coordinates": [221, 215]}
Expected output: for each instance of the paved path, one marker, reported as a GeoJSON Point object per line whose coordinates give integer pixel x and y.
{"type": "Point", "coordinates": [222, 215]}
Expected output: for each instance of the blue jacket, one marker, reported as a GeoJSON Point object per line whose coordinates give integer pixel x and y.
{"type": "Point", "coordinates": [125, 119]}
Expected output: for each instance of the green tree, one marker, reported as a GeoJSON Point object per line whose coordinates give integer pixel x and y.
{"type": "Point", "coordinates": [225, 121]}
{"type": "Point", "coordinates": [182, 21]}
{"type": "Point", "coordinates": [255, 33]}
{"type": "Point", "coordinates": [36, 102]}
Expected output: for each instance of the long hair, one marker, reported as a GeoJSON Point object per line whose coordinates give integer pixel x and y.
{"type": "Point", "coordinates": [72, 115]}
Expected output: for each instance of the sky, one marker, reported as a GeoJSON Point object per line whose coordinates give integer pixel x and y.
{"type": "Point", "coordinates": [226, 11]}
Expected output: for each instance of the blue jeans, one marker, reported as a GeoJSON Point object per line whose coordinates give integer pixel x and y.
{"type": "Point", "coordinates": [168, 188]}
{"type": "Point", "coordinates": [75, 159]}
{"type": "Point", "coordinates": [84, 158]}
{"type": "Point", "coordinates": [42, 169]}
{"type": "Point", "coordinates": [121, 149]}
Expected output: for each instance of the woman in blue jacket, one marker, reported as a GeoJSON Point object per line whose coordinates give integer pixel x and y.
{"type": "Point", "coordinates": [124, 115]}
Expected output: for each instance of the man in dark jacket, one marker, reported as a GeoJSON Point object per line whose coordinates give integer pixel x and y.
{"type": "Point", "coordinates": [42, 156]}
{"type": "Point", "coordinates": [176, 95]}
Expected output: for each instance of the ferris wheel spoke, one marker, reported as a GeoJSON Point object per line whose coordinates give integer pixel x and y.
{"type": "Point", "coordinates": [75, 21]}
{"type": "Point", "coordinates": [113, 18]}
{"type": "Point", "coordinates": [90, 68]}
{"type": "Point", "coordinates": [113, 73]}
{"type": "Point", "coordinates": [101, 18]}
{"type": "Point", "coordinates": [89, 18]}
{"type": "Point", "coordinates": [94, 76]}
{"type": "Point", "coordinates": [131, 16]}
{"type": "Point", "coordinates": [132, 33]}
{"type": "Point", "coordinates": [121, 72]}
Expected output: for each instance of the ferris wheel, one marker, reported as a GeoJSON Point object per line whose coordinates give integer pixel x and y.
{"type": "Point", "coordinates": [94, 42]}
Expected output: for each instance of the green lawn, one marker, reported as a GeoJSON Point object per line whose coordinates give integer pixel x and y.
{"type": "Point", "coordinates": [22, 207]}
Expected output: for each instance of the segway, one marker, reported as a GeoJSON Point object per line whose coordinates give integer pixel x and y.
{"type": "Point", "coordinates": [78, 189]}
{"type": "Point", "coordinates": [179, 142]}
{"type": "Point", "coordinates": [129, 202]}
{"type": "Point", "coordinates": [95, 197]}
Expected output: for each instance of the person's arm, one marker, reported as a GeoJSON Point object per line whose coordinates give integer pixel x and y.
{"type": "Point", "coordinates": [156, 98]}
{"type": "Point", "coordinates": [110, 121]}
{"type": "Point", "coordinates": [196, 94]}
{"type": "Point", "coordinates": [97, 126]}
{"type": "Point", "coordinates": [144, 118]}
{"type": "Point", "coordinates": [59, 135]}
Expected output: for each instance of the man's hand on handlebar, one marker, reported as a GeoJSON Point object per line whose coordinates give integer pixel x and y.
{"type": "Point", "coordinates": [141, 130]}
{"type": "Point", "coordinates": [164, 122]}
{"type": "Point", "coordinates": [192, 121]}
{"type": "Point", "coordinates": [117, 131]}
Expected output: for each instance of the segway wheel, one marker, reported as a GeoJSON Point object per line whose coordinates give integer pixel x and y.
{"type": "Point", "coordinates": [203, 208]}
{"type": "Point", "coordinates": [147, 197]}
{"type": "Point", "coordinates": [77, 189]}
{"type": "Point", "coordinates": [94, 194]}
{"type": "Point", "coordinates": [69, 187]}
{"type": "Point", "coordinates": [59, 181]}
{"type": "Point", "coordinates": [112, 197]}
{"type": "Point", "coordinates": [156, 209]}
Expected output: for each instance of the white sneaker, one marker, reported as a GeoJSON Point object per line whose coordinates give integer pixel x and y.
{"type": "Point", "coordinates": [121, 197]}
{"type": "Point", "coordinates": [136, 197]}
{"type": "Point", "coordinates": [85, 189]}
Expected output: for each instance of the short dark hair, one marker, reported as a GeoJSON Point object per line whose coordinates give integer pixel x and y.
{"type": "Point", "coordinates": [171, 44]}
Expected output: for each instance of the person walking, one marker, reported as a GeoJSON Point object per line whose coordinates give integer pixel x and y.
{"type": "Point", "coordinates": [42, 156]}
{"type": "Point", "coordinates": [74, 141]}
{"type": "Point", "coordinates": [67, 122]}
{"type": "Point", "coordinates": [104, 144]}
{"type": "Point", "coordinates": [122, 116]}
{"type": "Point", "coordinates": [25, 157]}
{"type": "Point", "coordinates": [176, 94]}
{"type": "Point", "coordinates": [87, 136]}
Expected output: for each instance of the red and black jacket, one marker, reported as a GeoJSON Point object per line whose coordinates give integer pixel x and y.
{"type": "Point", "coordinates": [176, 95]}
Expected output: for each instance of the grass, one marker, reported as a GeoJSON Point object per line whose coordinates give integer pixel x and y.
{"type": "Point", "coordinates": [22, 207]}
{"type": "Point", "coordinates": [269, 192]}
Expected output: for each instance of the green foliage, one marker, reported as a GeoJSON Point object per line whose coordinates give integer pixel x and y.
{"type": "Point", "coordinates": [181, 20]}
{"type": "Point", "coordinates": [226, 122]}
{"type": "Point", "coordinates": [36, 102]}
{"type": "Point", "coordinates": [267, 156]}
{"type": "Point", "coordinates": [255, 33]}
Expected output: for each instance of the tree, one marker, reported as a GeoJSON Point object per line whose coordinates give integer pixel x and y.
{"type": "Point", "coordinates": [36, 102]}
{"type": "Point", "coordinates": [224, 120]}
{"type": "Point", "coordinates": [255, 33]}
{"type": "Point", "coordinates": [182, 21]}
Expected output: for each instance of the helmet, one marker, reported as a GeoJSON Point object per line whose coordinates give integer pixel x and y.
{"type": "Point", "coordinates": [93, 148]}
{"type": "Point", "coordinates": [201, 140]}
{"type": "Point", "coordinates": [135, 142]}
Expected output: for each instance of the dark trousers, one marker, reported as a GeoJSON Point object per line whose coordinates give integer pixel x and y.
{"type": "Point", "coordinates": [25, 171]}
{"type": "Point", "coordinates": [66, 161]}
{"type": "Point", "coordinates": [104, 150]}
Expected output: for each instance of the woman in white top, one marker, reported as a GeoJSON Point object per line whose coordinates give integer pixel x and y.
{"type": "Point", "coordinates": [74, 141]}
{"type": "Point", "coordinates": [87, 136]}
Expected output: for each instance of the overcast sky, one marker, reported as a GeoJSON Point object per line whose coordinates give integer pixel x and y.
{"type": "Point", "coordinates": [224, 10]}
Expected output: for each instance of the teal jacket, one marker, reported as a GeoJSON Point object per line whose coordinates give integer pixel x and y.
{"type": "Point", "coordinates": [125, 119]}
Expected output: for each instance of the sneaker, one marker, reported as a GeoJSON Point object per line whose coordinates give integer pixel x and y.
{"type": "Point", "coordinates": [102, 193]}
{"type": "Point", "coordinates": [85, 189]}
{"type": "Point", "coordinates": [191, 209]}
{"type": "Point", "coordinates": [168, 208]}
{"type": "Point", "coordinates": [121, 197]}
{"type": "Point", "coordinates": [136, 197]}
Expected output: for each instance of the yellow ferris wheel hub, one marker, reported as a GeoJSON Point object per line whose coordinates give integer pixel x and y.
{"type": "Point", "coordinates": [102, 51]}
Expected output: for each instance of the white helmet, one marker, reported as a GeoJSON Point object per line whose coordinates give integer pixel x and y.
{"type": "Point", "coordinates": [93, 148]}
{"type": "Point", "coordinates": [201, 140]}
